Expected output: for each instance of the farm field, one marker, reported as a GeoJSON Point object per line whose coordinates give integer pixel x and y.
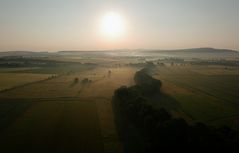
{"type": "Point", "coordinates": [9, 80]}
{"type": "Point", "coordinates": [51, 125]}
{"type": "Point", "coordinates": [70, 109]}
{"type": "Point", "coordinates": [102, 85]}
{"type": "Point", "coordinates": [208, 97]}
{"type": "Point", "coordinates": [60, 110]}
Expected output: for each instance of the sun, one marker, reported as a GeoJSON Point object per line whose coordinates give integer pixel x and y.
{"type": "Point", "coordinates": [112, 25]}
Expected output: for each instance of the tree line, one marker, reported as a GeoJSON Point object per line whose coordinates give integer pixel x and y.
{"type": "Point", "coordinates": [158, 129]}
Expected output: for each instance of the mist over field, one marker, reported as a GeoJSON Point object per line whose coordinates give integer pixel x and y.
{"type": "Point", "coordinates": [117, 101]}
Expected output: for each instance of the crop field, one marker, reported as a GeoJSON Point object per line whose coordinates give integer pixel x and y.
{"type": "Point", "coordinates": [64, 86]}
{"type": "Point", "coordinates": [75, 116]}
{"type": "Point", "coordinates": [9, 80]}
{"type": "Point", "coordinates": [57, 69]}
{"type": "Point", "coordinates": [59, 124]}
{"type": "Point", "coordinates": [208, 97]}
{"type": "Point", "coordinates": [67, 107]}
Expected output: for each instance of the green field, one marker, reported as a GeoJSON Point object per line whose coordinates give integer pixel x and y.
{"type": "Point", "coordinates": [204, 97]}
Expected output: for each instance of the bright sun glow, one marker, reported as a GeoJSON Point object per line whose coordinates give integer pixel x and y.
{"type": "Point", "coordinates": [112, 25]}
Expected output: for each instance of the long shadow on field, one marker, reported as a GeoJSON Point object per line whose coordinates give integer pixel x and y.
{"type": "Point", "coordinates": [146, 92]}
{"type": "Point", "coordinates": [143, 128]}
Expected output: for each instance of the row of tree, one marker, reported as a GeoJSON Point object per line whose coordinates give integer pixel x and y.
{"type": "Point", "coordinates": [159, 130]}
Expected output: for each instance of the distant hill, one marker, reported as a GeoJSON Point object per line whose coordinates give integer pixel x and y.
{"type": "Point", "coordinates": [212, 50]}
{"type": "Point", "coordinates": [190, 53]}
{"type": "Point", "coordinates": [193, 53]}
{"type": "Point", "coordinates": [198, 50]}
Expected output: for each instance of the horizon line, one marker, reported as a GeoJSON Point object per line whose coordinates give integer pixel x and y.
{"type": "Point", "coordinates": [102, 50]}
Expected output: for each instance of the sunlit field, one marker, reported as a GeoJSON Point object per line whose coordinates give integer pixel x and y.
{"type": "Point", "coordinates": [10, 80]}
{"type": "Point", "coordinates": [56, 106]}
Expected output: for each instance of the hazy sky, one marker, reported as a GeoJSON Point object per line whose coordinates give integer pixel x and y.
{"type": "Point", "coordinates": [51, 25]}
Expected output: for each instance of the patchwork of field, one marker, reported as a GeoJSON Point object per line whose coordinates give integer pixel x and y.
{"type": "Point", "coordinates": [72, 112]}
{"type": "Point", "coordinates": [102, 84]}
{"type": "Point", "coordinates": [204, 95]}
{"type": "Point", "coordinates": [75, 116]}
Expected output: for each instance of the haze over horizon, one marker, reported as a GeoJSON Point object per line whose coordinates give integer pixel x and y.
{"type": "Point", "coordinates": [53, 25]}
